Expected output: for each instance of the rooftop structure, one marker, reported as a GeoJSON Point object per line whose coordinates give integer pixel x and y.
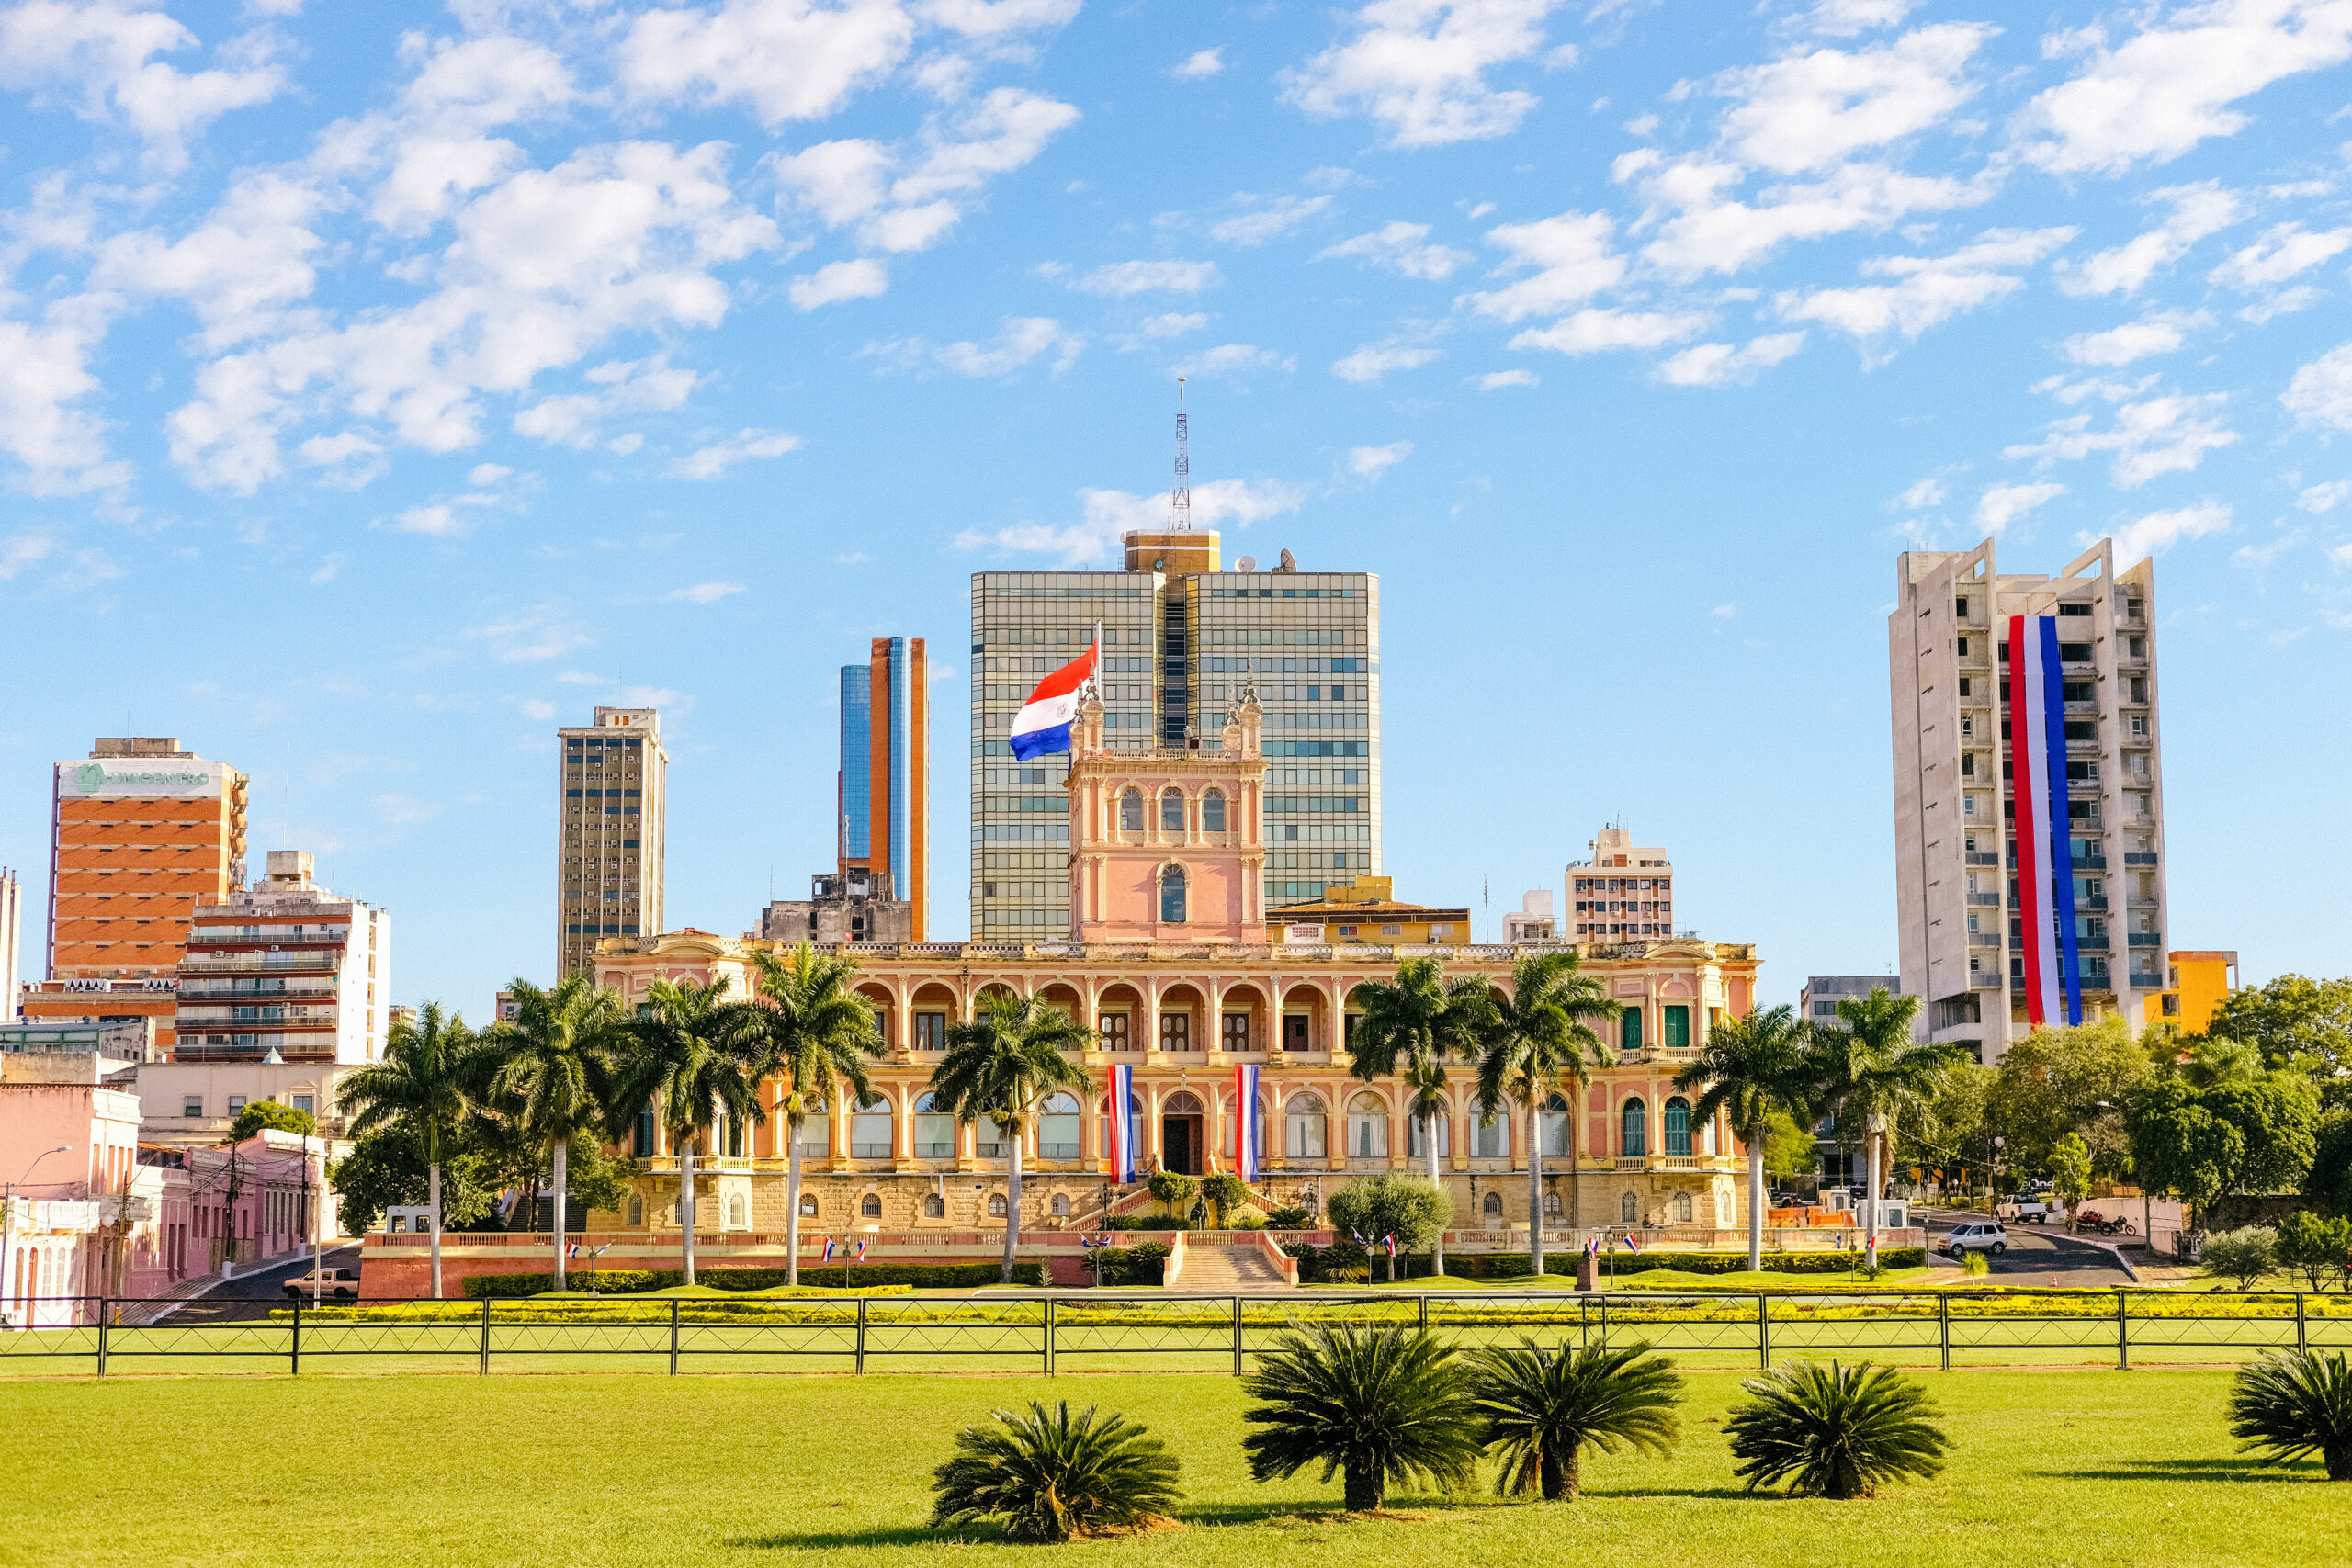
{"type": "Point", "coordinates": [884, 783]}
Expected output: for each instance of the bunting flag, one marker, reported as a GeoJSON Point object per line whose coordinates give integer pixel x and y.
{"type": "Point", "coordinates": [1249, 1122]}
{"type": "Point", "coordinates": [572, 1251]}
{"type": "Point", "coordinates": [1633, 1242]}
{"type": "Point", "coordinates": [828, 1250]}
{"type": "Point", "coordinates": [1391, 1239]}
{"type": "Point", "coordinates": [1592, 1245]}
{"type": "Point", "coordinates": [862, 1242]}
{"type": "Point", "coordinates": [2036, 716]}
{"type": "Point", "coordinates": [1123, 1121]}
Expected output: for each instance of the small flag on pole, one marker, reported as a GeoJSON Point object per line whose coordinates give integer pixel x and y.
{"type": "Point", "coordinates": [1633, 1242]}
{"type": "Point", "coordinates": [1391, 1239]}
{"type": "Point", "coordinates": [862, 1242]}
{"type": "Point", "coordinates": [1592, 1245]}
{"type": "Point", "coordinates": [572, 1251]}
{"type": "Point", "coordinates": [829, 1249]}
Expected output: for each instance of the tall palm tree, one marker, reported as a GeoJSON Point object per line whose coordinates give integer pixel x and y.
{"type": "Point", "coordinates": [1539, 1041]}
{"type": "Point", "coordinates": [1410, 1026]}
{"type": "Point", "coordinates": [1752, 1068]}
{"type": "Point", "coordinates": [550, 1072]}
{"type": "Point", "coordinates": [819, 1035]}
{"type": "Point", "coordinates": [1866, 1067]}
{"type": "Point", "coordinates": [1001, 1065]}
{"type": "Point", "coordinates": [419, 1089]}
{"type": "Point", "coordinates": [695, 1056]}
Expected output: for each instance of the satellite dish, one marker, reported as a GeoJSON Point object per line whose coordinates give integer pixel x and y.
{"type": "Point", "coordinates": [1290, 562]}
{"type": "Point", "coordinates": [1247, 563]}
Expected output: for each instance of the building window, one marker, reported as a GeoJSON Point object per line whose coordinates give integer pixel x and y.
{"type": "Point", "coordinates": [738, 1214]}
{"type": "Point", "coordinates": [1368, 1127]}
{"type": "Point", "coordinates": [1131, 812]}
{"type": "Point", "coordinates": [306, 1104]}
{"type": "Point", "coordinates": [1213, 812]}
{"type": "Point", "coordinates": [1682, 1208]}
{"type": "Point", "coordinates": [1171, 811]}
{"type": "Point", "coordinates": [236, 1103]}
{"type": "Point", "coordinates": [808, 1141]}
{"type": "Point", "coordinates": [192, 1107]}
{"type": "Point", "coordinates": [1175, 1031]}
{"type": "Point", "coordinates": [1678, 1028]}
{"type": "Point", "coordinates": [1629, 1030]}
{"type": "Point", "coordinates": [1172, 895]}
{"type": "Point", "coordinates": [1677, 1126]}
{"type": "Point", "coordinates": [1629, 1211]}
{"type": "Point", "coordinates": [807, 1205]}
{"type": "Point", "coordinates": [935, 1207]}
{"type": "Point", "coordinates": [931, 1031]}
{"type": "Point", "coordinates": [934, 1132]}
{"type": "Point", "coordinates": [870, 1206]}
{"type": "Point", "coordinates": [1057, 1128]}
{"type": "Point", "coordinates": [1417, 1148]}
{"type": "Point", "coordinates": [869, 1130]}
{"type": "Point", "coordinates": [1554, 1126]}
{"type": "Point", "coordinates": [636, 1209]}
{"type": "Point", "coordinates": [1113, 1026]}
{"type": "Point", "coordinates": [996, 1206]}
{"type": "Point", "coordinates": [1490, 1207]}
{"type": "Point", "coordinates": [1633, 1141]}
{"type": "Point", "coordinates": [1491, 1140]}
{"type": "Point", "coordinates": [1237, 1032]}
{"type": "Point", "coordinates": [1059, 1207]}
{"type": "Point", "coordinates": [1303, 1128]}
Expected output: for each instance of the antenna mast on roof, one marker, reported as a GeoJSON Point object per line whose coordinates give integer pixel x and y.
{"type": "Point", "coordinates": [1180, 496]}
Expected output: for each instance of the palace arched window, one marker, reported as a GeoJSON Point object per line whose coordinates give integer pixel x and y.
{"type": "Point", "coordinates": [1491, 1206]}
{"type": "Point", "coordinates": [996, 1206]}
{"type": "Point", "coordinates": [934, 1130]}
{"type": "Point", "coordinates": [1304, 1128]}
{"type": "Point", "coordinates": [1635, 1139]}
{"type": "Point", "coordinates": [1553, 1121]}
{"type": "Point", "coordinates": [1131, 812]}
{"type": "Point", "coordinates": [807, 1205]}
{"type": "Point", "coordinates": [1213, 812]}
{"type": "Point", "coordinates": [1491, 1140]}
{"type": "Point", "coordinates": [935, 1207]}
{"type": "Point", "coordinates": [869, 1130]}
{"type": "Point", "coordinates": [1059, 1207]}
{"type": "Point", "coordinates": [1677, 1126]}
{"type": "Point", "coordinates": [1171, 895]}
{"type": "Point", "coordinates": [1368, 1127]}
{"type": "Point", "coordinates": [1682, 1208]}
{"type": "Point", "coordinates": [738, 1213]}
{"type": "Point", "coordinates": [1057, 1128]}
{"type": "Point", "coordinates": [1171, 811]}
{"type": "Point", "coordinates": [636, 1209]}
{"type": "Point", "coordinates": [870, 1206]}
{"type": "Point", "coordinates": [1629, 1211]}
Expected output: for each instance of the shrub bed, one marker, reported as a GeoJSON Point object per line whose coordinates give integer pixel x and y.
{"type": "Point", "coordinates": [629, 1281]}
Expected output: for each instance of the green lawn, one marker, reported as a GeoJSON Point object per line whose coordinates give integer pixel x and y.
{"type": "Point", "coordinates": [2051, 1468]}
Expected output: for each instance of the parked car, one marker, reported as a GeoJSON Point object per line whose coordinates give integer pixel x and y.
{"type": "Point", "coordinates": [1976, 1235]}
{"type": "Point", "coordinates": [343, 1284]}
{"type": "Point", "coordinates": [2032, 1210]}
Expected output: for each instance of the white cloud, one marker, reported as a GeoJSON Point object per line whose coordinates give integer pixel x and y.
{"type": "Point", "coordinates": [2285, 302]}
{"type": "Point", "coordinates": [1701, 228]}
{"type": "Point", "coordinates": [1844, 19]}
{"type": "Point", "coordinates": [2159, 531]}
{"type": "Point", "coordinates": [1120, 279]}
{"type": "Point", "coordinates": [488, 474]}
{"type": "Point", "coordinates": [743, 446]}
{"type": "Point", "coordinates": [1199, 64]}
{"type": "Point", "coordinates": [533, 708]}
{"type": "Point", "coordinates": [1108, 514]}
{"type": "Point", "coordinates": [2155, 435]}
{"type": "Point", "coordinates": [22, 551]}
{"type": "Point", "coordinates": [1575, 256]}
{"type": "Point", "coordinates": [1602, 330]}
{"type": "Point", "coordinates": [528, 635]}
{"type": "Point", "coordinates": [2325, 498]}
{"type": "Point", "coordinates": [331, 567]}
{"type": "Point", "coordinates": [1721, 364]}
{"type": "Point", "coordinates": [704, 592]}
{"type": "Point", "coordinates": [1928, 290]}
{"type": "Point", "coordinates": [2160, 333]}
{"type": "Point", "coordinates": [1018, 340]}
{"type": "Point", "coordinates": [1401, 247]}
{"type": "Point", "coordinates": [623, 387]}
{"type": "Point", "coordinates": [99, 55]}
{"type": "Point", "coordinates": [2321, 393]}
{"type": "Point", "coordinates": [1172, 324]}
{"type": "Point", "coordinates": [440, 522]}
{"type": "Point", "coordinates": [830, 285]}
{"type": "Point", "coordinates": [1815, 110]}
{"type": "Point", "coordinates": [2279, 254]}
{"type": "Point", "coordinates": [2001, 505]}
{"type": "Point", "coordinates": [2170, 85]}
{"type": "Point", "coordinates": [1374, 360]}
{"type": "Point", "coordinates": [1276, 218]}
{"type": "Point", "coordinates": [1418, 67]}
{"type": "Point", "coordinates": [1371, 462]}
{"type": "Point", "coordinates": [1928, 492]}
{"type": "Point", "coordinates": [44, 375]}
{"type": "Point", "coordinates": [785, 59]}
{"type": "Point", "coordinates": [1497, 380]}
{"type": "Point", "coordinates": [2197, 211]}
{"type": "Point", "coordinates": [995, 18]}
{"type": "Point", "coordinates": [1234, 359]}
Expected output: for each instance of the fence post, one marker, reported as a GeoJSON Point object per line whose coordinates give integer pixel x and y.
{"type": "Point", "coordinates": [1425, 1310]}
{"type": "Point", "coordinates": [104, 1313]}
{"type": "Point", "coordinates": [861, 1335]}
{"type": "Point", "coordinates": [2123, 1337]}
{"type": "Point", "coordinates": [673, 1337]}
{"type": "Point", "coordinates": [1763, 1331]}
{"type": "Point", "coordinates": [1943, 1324]}
{"type": "Point", "coordinates": [1584, 1319]}
{"type": "Point", "coordinates": [2302, 1345]}
{"type": "Point", "coordinates": [485, 1337]}
{"type": "Point", "coordinates": [294, 1354]}
{"type": "Point", "coordinates": [1049, 1336]}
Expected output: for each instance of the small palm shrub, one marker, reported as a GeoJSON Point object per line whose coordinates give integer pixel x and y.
{"type": "Point", "coordinates": [2293, 1404]}
{"type": "Point", "coordinates": [1975, 1263]}
{"type": "Point", "coordinates": [1290, 1219]}
{"type": "Point", "coordinates": [1244, 1217]}
{"type": "Point", "coordinates": [1051, 1475]}
{"type": "Point", "coordinates": [2244, 1254]}
{"type": "Point", "coordinates": [1540, 1405]}
{"type": "Point", "coordinates": [1375, 1405]}
{"type": "Point", "coordinates": [1836, 1433]}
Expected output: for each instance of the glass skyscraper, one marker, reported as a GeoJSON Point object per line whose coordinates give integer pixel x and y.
{"type": "Point", "coordinates": [884, 768]}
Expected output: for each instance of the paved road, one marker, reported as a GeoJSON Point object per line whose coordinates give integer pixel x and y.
{"type": "Point", "coordinates": [2038, 1255]}
{"type": "Point", "coordinates": [250, 1295]}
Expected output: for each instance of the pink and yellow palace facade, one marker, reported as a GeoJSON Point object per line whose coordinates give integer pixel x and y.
{"type": "Point", "coordinates": [1172, 960]}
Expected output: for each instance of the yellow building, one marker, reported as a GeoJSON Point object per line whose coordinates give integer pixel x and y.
{"type": "Point", "coordinates": [1366, 912]}
{"type": "Point", "coordinates": [2200, 982]}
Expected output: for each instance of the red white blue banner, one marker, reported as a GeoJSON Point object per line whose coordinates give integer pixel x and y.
{"type": "Point", "coordinates": [2045, 860]}
{"type": "Point", "coordinates": [1123, 1121]}
{"type": "Point", "coordinates": [1249, 1122]}
{"type": "Point", "coordinates": [1043, 724]}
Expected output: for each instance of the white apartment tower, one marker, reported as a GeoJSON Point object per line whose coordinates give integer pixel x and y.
{"type": "Point", "coordinates": [1624, 892]}
{"type": "Point", "coordinates": [285, 971]}
{"type": "Point", "coordinates": [612, 775]}
{"type": "Point", "coordinates": [1181, 635]}
{"type": "Point", "coordinates": [1958, 744]}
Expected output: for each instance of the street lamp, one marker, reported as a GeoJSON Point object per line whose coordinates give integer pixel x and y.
{"type": "Point", "coordinates": [61, 1148]}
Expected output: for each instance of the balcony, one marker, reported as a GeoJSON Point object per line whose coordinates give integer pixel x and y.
{"type": "Point", "coordinates": [2091, 945]}
{"type": "Point", "coordinates": [1984, 900]}
{"type": "Point", "coordinates": [1980, 981]}
{"type": "Point", "coordinates": [2144, 982]}
{"type": "Point", "coordinates": [1977, 857]}
{"type": "Point", "coordinates": [2139, 857]}
{"type": "Point", "coordinates": [2093, 902]}
{"type": "Point", "coordinates": [2146, 939]}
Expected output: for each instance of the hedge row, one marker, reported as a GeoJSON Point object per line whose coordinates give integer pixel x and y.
{"type": "Point", "coordinates": [1144, 1263]}
{"type": "Point", "coordinates": [1345, 1261]}
{"type": "Point", "coordinates": [627, 1282]}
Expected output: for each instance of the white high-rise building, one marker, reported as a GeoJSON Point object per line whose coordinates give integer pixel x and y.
{"type": "Point", "coordinates": [11, 921]}
{"type": "Point", "coordinates": [612, 779]}
{"type": "Point", "coordinates": [285, 971]}
{"type": "Point", "coordinates": [1963, 942]}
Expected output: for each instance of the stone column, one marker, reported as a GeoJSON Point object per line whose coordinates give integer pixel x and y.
{"type": "Point", "coordinates": [903, 1021]}
{"type": "Point", "coordinates": [1150, 1021]}
{"type": "Point", "coordinates": [902, 1124]}
{"type": "Point", "coordinates": [1153, 1154]}
{"type": "Point", "coordinates": [1215, 1020]}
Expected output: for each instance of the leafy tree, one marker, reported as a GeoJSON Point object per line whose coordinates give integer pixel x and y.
{"type": "Point", "coordinates": [1789, 1149]}
{"type": "Point", "coordinates": [2058, 1081]}
{"type": "Point", "coordinates": [551, 1074]}
{"type": "Point", "coordinates": [598, 1179]}
{"type": "Point", "coordinates": [2244, 1254]}
{"type": "Point", "coordinates": [260, 1113]}
{"type": "Point", "coordinates": [1403, 1206]}
{"type": "Point", "coordinates": [1952, 1131]}
{"type": "Point", "coordinates": [2318, 1244]}
{"type": "Point", "coordinates": [1173, 1191]}
{"type": "Point", "coordinates": [2070, 1170]}
{"type": "Point", "coordinates": [1869, 1072]}
{"type": "Point", "coordinates": [818, 1035]}
{"type": "Point", "coordinates": [697, 1056]}
{"type": "Point", "coordinates": [1753, 1068]}
{"type": "Point", "coordinates": [1378, 1406]}
{"type": "Point", "coordinates": [419, 1087]}
{"type": "Point", "coordinates": [1539, 1042]}
{"type": "Point", "coordinates": [2289, 1404]}
{"type": "Point", "coordinates": [2181, 1147]}
{"type": "Point", "coordinates": [389, 1166]}
{"type": "Point", "coordinates": [1409, 1028]}
{"type": "Point", "coordinates": [2329, 1181]}
{"type": "Point", "coordinates": [1227, 1193]}
{"type": "Point", "coordinates": [1540, 1405]}
{"type": "Point", "coordinates": [2296, 1022]}
{"type": "Point", "coordinates": [1003, 1064]}
{"type": "Point", "coordinates": [1837, 1433]}
{"type": "Point", "coordinates": [1051, 1476]}
{"type": "Point", "coordinates": [2278, 1116]}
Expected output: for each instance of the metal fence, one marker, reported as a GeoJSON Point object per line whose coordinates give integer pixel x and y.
{"type": "Point", "coordinates": [1085, 1332]}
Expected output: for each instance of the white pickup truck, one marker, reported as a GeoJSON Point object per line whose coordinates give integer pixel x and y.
{"type": "Point", "coordinates": [340, 1284]}
{"type": "Point", "coordinates": [2034, 1211]}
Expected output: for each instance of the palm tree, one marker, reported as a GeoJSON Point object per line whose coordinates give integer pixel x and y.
{"type": "Point", "coordinates": [1375, 1405]}
{"type": "Point", "coordinates": [1410, 1027]}
{"type": "Point", "coordinates": [1001, 1065]}
{"type": "Point", "coordinates": [419, 1087]}
{"type": "Point", "coordinates": [2296, 1404]}
{"type": "Point", "coordinates": [1866, 1065]}
{"type": "Point", "coordinates": [1543, 1404]}
{"type": "Point", "coordinates": [1053, 1476]}
{"type": "Point", "coordinates": [1540, 1041]}
{"type": "Point", "coordinates": [1753, 1068]}
{"type": "Point", "coordinates": [697, 1056]}
{"type": "Point", "coordinates": [550, 1072]}
{"type": "Point", "coordinates": [1837, 1433]}
{"type": "Point", "coordinates": [820, 1033]}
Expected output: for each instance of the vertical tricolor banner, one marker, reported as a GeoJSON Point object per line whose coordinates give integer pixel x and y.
{"type": "Point", "coordinates": [1249, 1122]}
{"type": "Point", "coordinates": [2036, 714]}
{"type": "Point", "coordinates": [1123, 1121]}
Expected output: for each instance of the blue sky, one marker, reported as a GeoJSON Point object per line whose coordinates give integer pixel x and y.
{"type": "Point", "coordinates": [380, 386]}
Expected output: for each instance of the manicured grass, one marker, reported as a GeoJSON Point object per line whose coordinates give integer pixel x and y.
{"type": "Point", "coordinates": [2050, 1468]}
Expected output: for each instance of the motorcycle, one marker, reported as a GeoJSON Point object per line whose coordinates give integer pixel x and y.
{"type": "Point", "coordinates": [2100, 1226]}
